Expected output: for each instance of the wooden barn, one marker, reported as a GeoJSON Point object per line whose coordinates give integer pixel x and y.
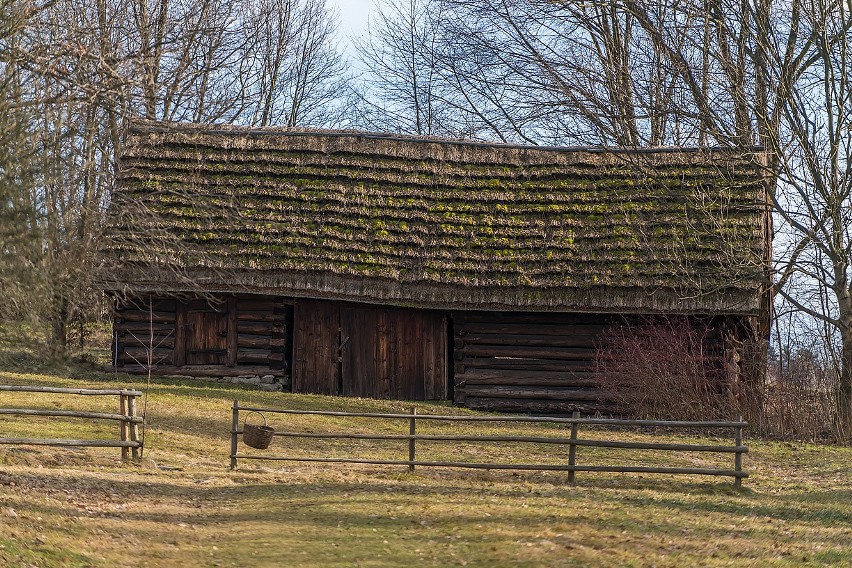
{"type": "Point", "coordinates": [398, 267]}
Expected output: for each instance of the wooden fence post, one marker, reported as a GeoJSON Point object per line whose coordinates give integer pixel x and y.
{"type": "Point", "coordinates": [134, 427]}
{"type": "Point", "coordinates": [235, 424]}
{"type": "Point", "coordinates": [123, 425]}
{"type": "Point", "coordinates": [738, 457]}
{"type": "Point", "coordinates": [412, 430]}
{"type": "Point", "coordinates": [572, 449]}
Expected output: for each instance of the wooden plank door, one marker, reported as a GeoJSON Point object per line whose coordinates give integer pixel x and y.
{"type": "Point", "coordinates": [393, 353]}
{"type": "Point", "coordinates": [206, 333]}
{"type": "Point", "coordinates": [364, 353]}
{"type": "Point", "coordinates": [316, 341]}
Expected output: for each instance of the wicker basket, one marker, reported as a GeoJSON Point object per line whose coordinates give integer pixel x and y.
{"type": "Point", "coordinates": [255, 435]}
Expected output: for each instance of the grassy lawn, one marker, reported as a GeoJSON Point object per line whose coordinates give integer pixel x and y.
{"type": "Point", "coordinates": [181, 506]}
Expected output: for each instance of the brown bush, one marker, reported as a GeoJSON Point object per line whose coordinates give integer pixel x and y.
{"type": "Point", "coordinates": [664, 369]}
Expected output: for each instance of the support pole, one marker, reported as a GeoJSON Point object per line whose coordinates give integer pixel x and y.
{"type": "Point", "coordinates": [572, 448]}
{"type": "Point", "coordinates": [412, 431]}
{"type": "Point", "coordinates": [235, 425]}
{"type": "Point", "coordinates": [124, 426]}
{"type": "Point", "coordinates": [134, 427]}
{"type": "Point", "coordinates": [738, 457]}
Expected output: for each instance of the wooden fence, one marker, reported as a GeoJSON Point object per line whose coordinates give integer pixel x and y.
{"type": "Point", "coordinates": [127, 417]}
{"type": "Point", "coordinates": [573, 442]}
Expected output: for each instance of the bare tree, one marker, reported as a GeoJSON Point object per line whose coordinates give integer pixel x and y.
{"type": "Point", "coordinates": [403, 87]}
{"type": "Point", "coordinates": [77, 71]}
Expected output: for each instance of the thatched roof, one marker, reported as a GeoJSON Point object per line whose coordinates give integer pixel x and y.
{"type": "Point", "coordinates": [436, 223]}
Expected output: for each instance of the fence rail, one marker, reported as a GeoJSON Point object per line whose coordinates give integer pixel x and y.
{"type": "Point", "coordinates": [128, 441]}
{"type": "Point", "coordinates": [573, 442]}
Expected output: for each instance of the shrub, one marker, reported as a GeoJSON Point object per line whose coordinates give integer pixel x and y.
{"type": "Point", "coordinates": [665, 369]}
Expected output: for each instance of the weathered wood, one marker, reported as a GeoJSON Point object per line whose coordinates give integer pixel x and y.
{"type": "Point", "coordinates": [206, 333]}
{"type": "Point", "coordinates": [146, 317]}
{"type": "Point", "coordinates": [393, 353]}
{"type": "Point", "coordinates": [526, 378]}
{"type": "Point", "coordinates": [232, 339]}
{"type": "Point", "coordinates": [207, 370]}
{"type": "Point", "coordinates": [508, 466]}
{"type": "Point", "coordinates": [511, 328]}
{"type": "Point", "coordinates": [235, 425]}
{"type": "Point", "coordinates": [572, 449]}
{"type": "Point", "coordinates": [140, 355]}
{"type": "Point", "coordinates": [738, 458]}
{"type": "Point", "coordinates": [584, 341]}
{"type": "Point", "coordinates": [522, 352]}
{"type": "Point", "coordinates": [179, 356]}
{"type": "Point", "coordinates": [539, 406]}
{"type": "Point", "coordinates": [565, 365]}
{"type": "Point", "coordinates": [85, 392]}
{"type": "Point", "coordinates": [141, 329]}
{"type": "Point", "coordinates": [124, 431]}
{"type": "Point", "coordinates": [251, 341]}
{"type": "Point", "coordinates": [511, 418]}
{"type": "Point", "coordinates": [256, 328]}
{"type": "Point", "coordinates": [70, 414]}
{"type": "Point", "coordinates": [257, 305]}
{"type": "Point", "coordinates": [159, 341]}
{"type": "Point", "coordinates": [62, 442]}
{"type": "Point", "coordinates": [143, 305]}
{"type": "Point", "coordinates": [257, 356]}
{"type": "Point", "coordinates": [412, 436]}
{"type": "Point", "coordinates": [255, 316]}
{"type": "Point", "coordinates": [550, 318]}
{"type": "Point", "coordinates": [315, 347]}
{"type": "Point", "coordinates": [544, 393]}
{"type": "Point", "coordinates": [133, 424]}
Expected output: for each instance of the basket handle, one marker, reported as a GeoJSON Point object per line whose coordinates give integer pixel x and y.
{"type": "Point", "coordinates": [245, 418]}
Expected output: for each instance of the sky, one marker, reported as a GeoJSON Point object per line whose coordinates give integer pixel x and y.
{"type": "Point", "coordinates": [353, 18]}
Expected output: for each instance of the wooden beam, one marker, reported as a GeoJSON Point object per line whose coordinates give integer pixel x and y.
{"type": "Point", "coordinates": [232, 332]}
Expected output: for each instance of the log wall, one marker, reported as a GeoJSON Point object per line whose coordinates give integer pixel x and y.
{"type": "Point", "coordinates": [536, 362]}
{"type": "Point", "coordinates": [227, 336]}
{"type": "Point", "coordinates": [515, 362]}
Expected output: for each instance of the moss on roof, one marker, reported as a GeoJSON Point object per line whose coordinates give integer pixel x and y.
{"type": "Point", "coordinates": [436, 223]}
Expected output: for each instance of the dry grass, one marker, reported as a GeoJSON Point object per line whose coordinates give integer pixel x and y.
{"type": "Point", "coordinates": [181, 506]}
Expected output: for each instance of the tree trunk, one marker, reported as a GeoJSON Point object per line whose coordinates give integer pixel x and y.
{"type": "Point", "coordinates": [843, 422]}
{"type": "Point", "coordinates": [59, 325]}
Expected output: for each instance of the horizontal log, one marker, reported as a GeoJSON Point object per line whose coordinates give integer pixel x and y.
{"type": "Point", "coordinates": [60, 390]}
{"type": "Point", "coordinates": [515, 352]}
{"type": "Point", "coordinates": [250, 341]}
{"type": "Point", "coordinates": [256, 328]}
{"type": "Point", "coordinates": [161, 341]}
{"type": "Point", "coordinates": [258, 356]}
{"type": "Point", "coordinates": [527, 364]}
{"type": "Point", "coordinates": [79, 443]}
{"type": "Point", "coordinates": [257, 316]}
{"type": "Point", "coordinates": [532, 330]}
{"type": "Point", "coordinates": [525, 378]}
{"type": "Point", "coordinates": [498, 404]}
{"type": "Point", "coordinates": [512, 418]}
{"type": "Point", "coordinates": [169, 305]}
{"type": "Point", "coordinates": [259, 305]}
{"type": "Point", "coordinates": [71, 414]}
{"type": "Point", "coordinates": [585, 341]}
{"type": "Point", "coordinates": [544, 393]}
{"type": "Point", "coordinates": [554, 318]}
{"type": "Point", "coordinates": [139, 328]}
{"type": "Point", "coordinates": [139, 316]}
{"type": "Point", "coordinates": [205, 370]}
{"type": "Point", "coordinates": [559, 440]}
{"type": "Point", "coordinates": [136, 351]}
{"type": "Point", "coordinates": [508, 466]}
